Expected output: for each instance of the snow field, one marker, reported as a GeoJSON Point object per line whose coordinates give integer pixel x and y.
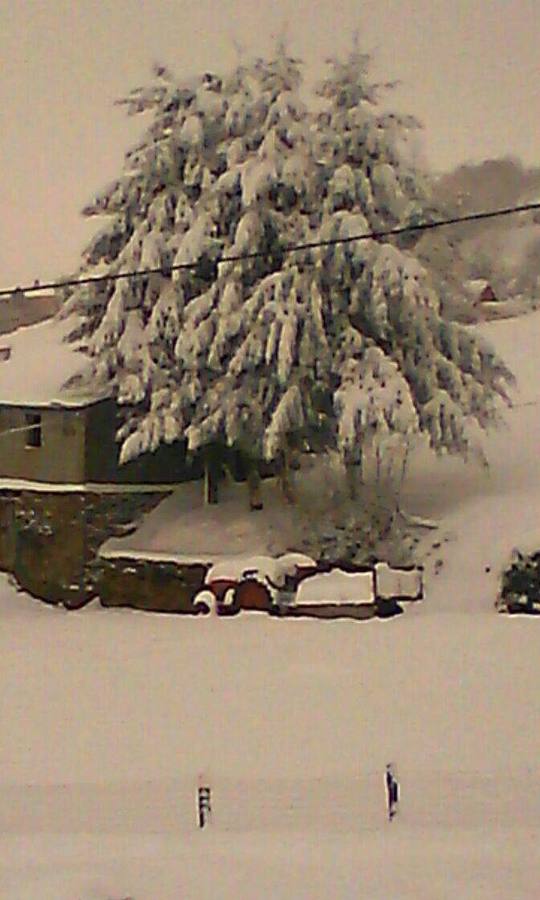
{"type": "Point", "coordinates": [389, 865]}
{"type": "Point", "coordinates": [292, 722]}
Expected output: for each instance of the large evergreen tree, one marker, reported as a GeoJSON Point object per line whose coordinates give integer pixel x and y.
{"type": "Point", "coordinates": [345, 339]}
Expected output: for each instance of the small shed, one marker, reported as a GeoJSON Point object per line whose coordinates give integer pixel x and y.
{"type": "Point", "coordinates": [481, 291]}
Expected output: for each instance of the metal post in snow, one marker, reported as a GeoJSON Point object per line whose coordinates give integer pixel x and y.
{"type": "Point", "coordinates": [204, 803]}
{"type": "Point", "coordinates": [392, 791]}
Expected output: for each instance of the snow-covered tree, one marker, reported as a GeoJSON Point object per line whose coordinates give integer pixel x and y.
{"type": "Point", "coordinates": [255, 345]}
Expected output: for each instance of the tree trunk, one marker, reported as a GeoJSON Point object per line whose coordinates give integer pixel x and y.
{"type": "Point", "coordinates": [353, 477]}
{"type": "Point", "coordinates": [402, 476]}
{"type": "Point", "coordinates": [378, 462]}
{"type": "Point", "coordinates": [211, 476]}
{"type": "Point", "coordinates": [254, 488]}
{"type": "Point", "coordinates": [284, 477]}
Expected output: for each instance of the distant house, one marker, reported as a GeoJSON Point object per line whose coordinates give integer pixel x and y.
{"type": "Point", "coordinates": [19, 309]}
{"type": "Point", "coordinates": [480, 291]}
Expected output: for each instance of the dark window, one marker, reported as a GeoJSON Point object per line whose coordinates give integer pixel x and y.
{"type": "Point", "coordinates": [33, 433]}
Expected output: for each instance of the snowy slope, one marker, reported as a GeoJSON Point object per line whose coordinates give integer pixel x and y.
{"type": "Point", "coordinates": [108, 717]}
{"type": "Point", "coordinates": [184, 527]}
{"type": "Point", "coordinates": [486, 513]}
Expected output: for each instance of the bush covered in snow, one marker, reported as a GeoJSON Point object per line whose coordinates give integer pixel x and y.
{"type": "Point", "coordinates": [520, 586]}
{"type": "Point", "coordinates": [340, 525]}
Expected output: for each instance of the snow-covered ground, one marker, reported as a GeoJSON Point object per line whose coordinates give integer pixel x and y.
{"type": "Point", "coordinates": [485, 513]}
{"type": "Point", "coordinates": [184, 528]}
{"type": "Point", "coordinates": [109, 717]}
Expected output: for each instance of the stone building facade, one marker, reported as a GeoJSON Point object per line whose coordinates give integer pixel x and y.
{"type": "Point", "coordinates": [62, 488]}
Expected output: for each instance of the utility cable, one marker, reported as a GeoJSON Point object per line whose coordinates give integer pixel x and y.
{"type": "Point", "coordinates": [292, 248]}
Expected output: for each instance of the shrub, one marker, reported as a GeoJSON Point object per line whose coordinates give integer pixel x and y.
{"type": "Point", "coordinates": [335, 527]}
{"type": "Point", "coordinates": [520, 584]}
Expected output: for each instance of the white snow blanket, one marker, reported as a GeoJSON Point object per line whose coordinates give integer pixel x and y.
{"type": "Point", "coordinates": [399, 583]}
{"type": "Point", "coordinates": [336, 587]}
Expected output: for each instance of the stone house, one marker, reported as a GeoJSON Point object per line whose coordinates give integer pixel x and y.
{"type": "Point", "coordinates": [481, 291]}
{"type": "Point", "coordinates": [49, 434]}
{"type": "Point", "coordinates": [62, 488]}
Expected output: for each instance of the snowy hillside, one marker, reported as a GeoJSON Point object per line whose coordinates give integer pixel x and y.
{"type": "Point", "coordinates": [184, 527]}
{"type": "Point", "coordinates": [503, 250]}
{"type": "Point", "coordinates": [109, 717]}
{"type": "Point", "coordinates": [485, 513]}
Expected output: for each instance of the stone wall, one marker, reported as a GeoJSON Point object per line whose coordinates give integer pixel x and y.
{"type": "Point", "coordinates": [51, 539]}
{"type": "Point", "coordinates": [50, 554]}
{"type": "Point", "coordinates": [50, 542]}
{"type": "Point", "coordinates": [150, 585]}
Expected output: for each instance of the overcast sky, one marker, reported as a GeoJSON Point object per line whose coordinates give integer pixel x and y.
{"type": "Point", "coordinates": [470, 71]}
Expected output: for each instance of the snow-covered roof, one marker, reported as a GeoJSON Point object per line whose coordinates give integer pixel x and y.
{"type": "Point", "coordinates": [39, 364]}
{"type": "Point", "coordinates": [478, 284]}
{"type": "Point", "coordinates": [336, 587]}
{"type": "Point", "coordinates": [480, 289]}
{"type": "Point", "coordinates": [40, 293]}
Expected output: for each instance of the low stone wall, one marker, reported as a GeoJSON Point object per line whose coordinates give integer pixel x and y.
{"type": "Point", "coordinates": [49, 540]}
{"type": "Point", "coordinates": [149, 585]}
{"type": "Point", "coordinates": [8, 541]}
{"type": "Point", "coordinates": [50, 556]}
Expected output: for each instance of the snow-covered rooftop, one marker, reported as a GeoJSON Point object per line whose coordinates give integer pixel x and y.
{"type": "Point", "coordinates": [37, 364]}
{"type": "Point", "coordinates": [477, 284]}
{"type": "Point", "coordinates": [40, 293]}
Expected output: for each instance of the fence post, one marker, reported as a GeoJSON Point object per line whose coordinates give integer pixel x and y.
{"type": "Point", "coordinates": [204, 803]}
{"type": "Point", "coordinates": [392, 791]}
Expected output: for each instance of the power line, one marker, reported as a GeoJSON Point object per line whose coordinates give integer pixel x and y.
{"type": "Point", "coordinates": [292, 248]}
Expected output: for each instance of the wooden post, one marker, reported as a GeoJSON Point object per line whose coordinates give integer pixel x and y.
{"type": "Point", "coordinates": [204, 802]}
